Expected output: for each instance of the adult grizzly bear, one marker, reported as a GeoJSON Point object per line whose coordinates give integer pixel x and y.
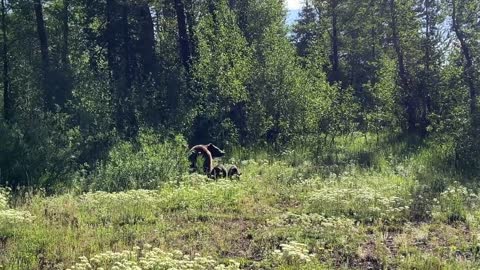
{"type": "Point", "coordinates": [208, 152]}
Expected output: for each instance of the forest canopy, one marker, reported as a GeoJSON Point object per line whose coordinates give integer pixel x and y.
{"type": "Point", "coordinates": [88, 80]}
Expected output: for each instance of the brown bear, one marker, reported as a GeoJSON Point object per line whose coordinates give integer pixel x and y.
{"type": "Point", "coordinates": [208, 152]}
{"type": "Point", "coordinates": [219, 171]}
{"type": "Point", "coordinates": [233, 171]}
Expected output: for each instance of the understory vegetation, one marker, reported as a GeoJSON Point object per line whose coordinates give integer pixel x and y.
{"type": "Point", "coordinates": [285, 212]}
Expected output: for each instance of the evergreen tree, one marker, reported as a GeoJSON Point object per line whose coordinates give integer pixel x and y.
{"type": "Point", "coordinates": [305, 31]}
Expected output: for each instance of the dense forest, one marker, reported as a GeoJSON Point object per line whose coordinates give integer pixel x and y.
{"type": "Point", "coordinates": [355, 130]}
{"type": "Point", "coordinates": [80, 76]}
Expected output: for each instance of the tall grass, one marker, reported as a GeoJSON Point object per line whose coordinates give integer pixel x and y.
{"type": "Point", "coordinates": [368, 203]}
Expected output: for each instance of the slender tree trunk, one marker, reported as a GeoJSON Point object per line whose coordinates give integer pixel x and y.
{"type": "Point", "coordinates": [7, 100]}
{"type": "Point", "coordinates": [335, 77]}
{"type": "Point", "coordinates": [42, 35]}
{"type": "Point", "coordinates": [119, 56]}
{"type": "Point", "coordinates": [402, 72]}
{"type": "Point", "coordinates": [147, 40]}
{"type": "Point", "coordinates": [148, 62]}
{"type": "Point", "coordinates": [428, 63]}
{"type": "Point", "coordinates": [427, 36]}
{"type": "Point", "coordinates": [189, 10]}
{"type": "Point", "coordinates": [89, 33]}
{"type": "Point", "coordinates": [212, 9]}
{"type": "Point", "coordinates": [183, 37]}
{"type": "Point", "coordinates": [65, 62]}
{"type": "Point", "coordinates": [469, 72]}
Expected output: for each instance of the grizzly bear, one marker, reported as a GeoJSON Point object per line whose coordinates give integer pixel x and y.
{"type": "Point", "coordinates": [233, 171]}
{"type": "Point", "coordinates": [208, 152]}
{"type": "Point", "coordinates": [219, 171]}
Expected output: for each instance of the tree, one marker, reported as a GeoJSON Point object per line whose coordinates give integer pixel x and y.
{"type": "Point", "coordinates": [461, 10]}
{"type": "Point", "coordinates": [221, 72]}
{"type": "Point", "coordinates": [413, 97]}
{"type": "Point", "coordinates": [183, 36]}
{"type": "Point", "coordinates": [65, 36]}
{"type": "Point", "coordinates": [7, 97]}
{"type": "Point", "coordinates": [120, 57]}
{"type": "Point", "coordinates": [330, 12]}
{"type": "Point", "coordinates": [305, 30]}
{"type": "Point", "coordinates": [49, 98]}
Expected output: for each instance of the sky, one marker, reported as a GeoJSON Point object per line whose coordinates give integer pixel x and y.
{"type": "Point", "coordinates": [293, 7]}
{"type": "Point", "coordinates": [294, 4]}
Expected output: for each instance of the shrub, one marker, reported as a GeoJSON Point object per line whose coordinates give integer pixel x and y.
{"type": "Point", "coordinates": [9, 218]}
{"type": "Point", "coordinates": [454, 203]}
{"type": "Point", "coordinates": [145, 166]}
{"type": "Point", "coordinates": [40, 154]}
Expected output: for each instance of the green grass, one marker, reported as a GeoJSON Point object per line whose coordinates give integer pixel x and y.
{"type": "Point", "coordinates": [378, 205]}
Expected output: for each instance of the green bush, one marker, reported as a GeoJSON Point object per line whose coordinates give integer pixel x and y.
{"type": "Point", "coordinates": [41, 153]}
{"type": "Point", "coordinates": [143, 166]}
{"type": "Point", "coordinates": [455, 203]}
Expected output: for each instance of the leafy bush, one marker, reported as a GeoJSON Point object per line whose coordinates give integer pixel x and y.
{"type": "Point", "coordinates": [9, 218]}
{"type": "Point", "coordinates": [40, 154]}
{"type": "Point", "coordinates": [145, 166]}
{"type": "Point", "coordinates": [454, 203]}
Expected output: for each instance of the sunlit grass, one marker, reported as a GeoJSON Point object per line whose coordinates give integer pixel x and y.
{"type": "Point", "coordinates": [285, 212]}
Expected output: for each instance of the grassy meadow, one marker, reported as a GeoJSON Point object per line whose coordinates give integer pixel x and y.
{"type": "Point", "coordinates": [365, 204]}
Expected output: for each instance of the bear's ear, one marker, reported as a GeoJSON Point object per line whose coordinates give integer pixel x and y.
{"type": "Point", "coordinates": [215, 151]}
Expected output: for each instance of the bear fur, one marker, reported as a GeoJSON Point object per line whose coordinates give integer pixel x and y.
{"type": "Point", "coordinates": [219, 171]}
{"type": "Point", "coordinates": [233, 171]}
{"type": "Point", "coordinates": [208, 152]}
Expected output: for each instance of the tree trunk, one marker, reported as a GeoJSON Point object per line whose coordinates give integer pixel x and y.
{"type": "Point", "coordinates": [189, 11]}
{"type": "Point", "coordinates": [147, 40]}
{"type": "Point", "coordinates": [410, 103]}
{"type": "Point", "coordinates": [7, 99]}
{"type": "Point", "coordinates": [335, 76]}
{"type": "Point", "coordinates": [469, 72]}
{"type": "Point", "coordinates": [91, 39]}
{"type": "Point", "coordinates": [42, 35]}
{"type": "Point", "coordinates": [65, 62]}
{"type": "Point", "coordinates": [119, 56]}
{"type": "Point", "coordinates": [427, 104]}
{"type": "Point", "coordinates": [233, 4]}
{"type": "Point", "coordinates": [183, 37]}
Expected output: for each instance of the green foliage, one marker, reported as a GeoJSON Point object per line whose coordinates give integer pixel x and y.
{"type": "Point", "coordinates": [42, 156]}
{"type": "Point", "coordinates": [383, 112]}
{"type": "Point", "coordinates": [147, 164]}
{"type": "Point", "coordinates": [284, 216]}
{"type": "Point", "coordinates": [454, 204]}
{"type": "Point", "coordinates": [278, 115]}
{"type": "Point", "coordinates": [221, 71]}
{"type": "Point", "coordinates": [10, 218]}
{"type": "Point", "coordinates": [313, 113]}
